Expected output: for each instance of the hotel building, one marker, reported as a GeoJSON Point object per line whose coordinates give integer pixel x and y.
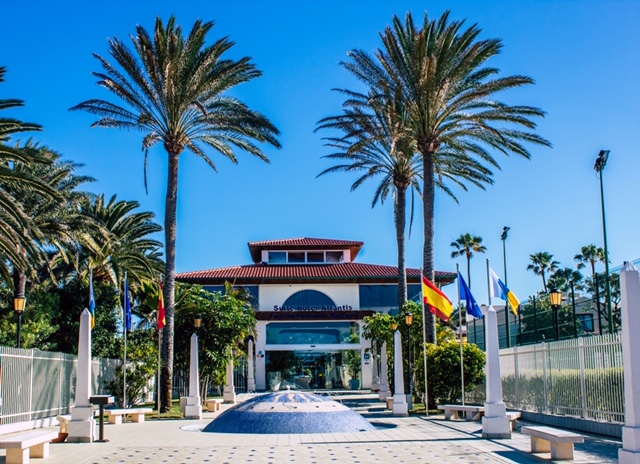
{"type": "Point", "coordinates": [310, 297]}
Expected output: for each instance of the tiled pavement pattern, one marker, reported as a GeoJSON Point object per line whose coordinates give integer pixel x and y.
{"type": "Point", "coordinates": [397, 440]}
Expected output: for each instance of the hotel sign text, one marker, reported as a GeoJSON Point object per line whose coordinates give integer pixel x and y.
{"type": "Point", "coordinates": [313, 308]}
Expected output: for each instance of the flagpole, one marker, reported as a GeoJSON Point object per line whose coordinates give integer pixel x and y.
{"type": "Point", "coordinates": [160, 323]}
{"type": "Point", "coordinates": [460, 334]}
{"type": "Point", "coordinates": [124, 329]}
{"type": "Point", "coordinates": [159, 366]}
{"type": "Point", "coordinates": [424, 348]}
{"type": "Point", "coordinates": [488, 284]}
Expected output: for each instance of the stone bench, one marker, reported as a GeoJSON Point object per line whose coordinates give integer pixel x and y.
{"type": "Point", "coordinates": [389, 401]}
{"type": "Point", "coordinates": [137, 414]}
{"type": "Point", "coordinates": [20, 447]}
{"type": "Point", "coordinates": [558, 442]}
{"type": "Point", "coordinates": [513, 418]}
{"type": "Point", "coordinates": [469, 411]}
{"type": "Point", "coordinates": [214, 404]}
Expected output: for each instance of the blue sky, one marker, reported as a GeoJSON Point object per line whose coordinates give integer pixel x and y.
{"type": "Point", "coordinates": [584, 56]}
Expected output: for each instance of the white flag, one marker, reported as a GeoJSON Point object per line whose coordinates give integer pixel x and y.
{"type": "Point", "coordinates": [494, 285]}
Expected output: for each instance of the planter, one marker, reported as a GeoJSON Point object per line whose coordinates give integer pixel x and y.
{"type": "Point", "coordinates": [354, 384]}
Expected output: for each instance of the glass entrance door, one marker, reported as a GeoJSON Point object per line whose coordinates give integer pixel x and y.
{"type": "Point", "coordinates": [313, 370]}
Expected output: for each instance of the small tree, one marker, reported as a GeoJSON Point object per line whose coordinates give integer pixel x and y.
{"type": "Point", "coordinates": [443, 368]}
{"type": "Point", "coordinates": [142, 359]}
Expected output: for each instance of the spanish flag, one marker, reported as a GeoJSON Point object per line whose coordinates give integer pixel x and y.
{"type": "Point", "coordinates": [162, 320]}
{"type": "Point", "coordinates": [438, 302]}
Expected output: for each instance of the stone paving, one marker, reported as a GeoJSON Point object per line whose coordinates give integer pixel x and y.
{"type": "Point", "coordinates": [413, 439]}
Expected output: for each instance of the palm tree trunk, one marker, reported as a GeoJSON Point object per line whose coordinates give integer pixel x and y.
{"type": "Point", "coordinates": [19, 282]}
{"type": "Point", "coordinates": [400, 220]}
{"type": "Point", "coordinates": [170, 233]}
{"type": "Point", "coordinates": [469, 269]}
{"type": "Point", "coordinates": [428, 198]}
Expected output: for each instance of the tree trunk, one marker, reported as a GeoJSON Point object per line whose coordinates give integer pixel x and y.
{"type": "Point", "coordinates": [469, 270]}
{"type": "Point", "coordinates": [400, 220]}
{"type": "Point", "coordinates": [170, 232]}
{"type": "Point", "coordinates": [19, 282]}
{"type": "Point", "coordinates": [428, 198]}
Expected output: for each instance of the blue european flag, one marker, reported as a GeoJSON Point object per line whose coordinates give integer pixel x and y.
{"type": "Point", "coordinates": [470, 301]}
{"type": "Point", "coordinates": [127, 305]}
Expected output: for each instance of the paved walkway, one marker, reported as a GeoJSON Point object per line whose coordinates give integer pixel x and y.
{"type": "Point", "coordinates": [397, 440]}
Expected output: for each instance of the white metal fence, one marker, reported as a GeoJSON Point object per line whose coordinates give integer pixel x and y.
{"type": "Point", "coordinates": [580, 377]}
{"type": "Point", "coordinates": [36, 384]}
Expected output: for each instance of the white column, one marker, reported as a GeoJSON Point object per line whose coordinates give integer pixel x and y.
{"type": "Point", "coordinates": [261, 374]}
{"type": "Point", "coordinates": [400, 406]}
{"type": "Point", "coordinates": [251, 381]}
{"type": "Point", "coordinates": [375, 376]}
{"type": "Point", "coordinates": [630, 292]}
{"type": "Point", "coordinates": [82, 424]}
{"type": "Point", "coordinates": [495, 423]}
{"type": "Point", "coordinates": [193, 409]}
{"type": "Point", "coordinates": [229, 394]}
{"type": "Point", "coordinates": [384, 376]}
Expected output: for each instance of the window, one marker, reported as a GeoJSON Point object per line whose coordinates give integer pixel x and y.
{"type": "Point", "coordinates": [309, 298]}
{"type": "Point", "coordinates": [586, 322]}
{"type": "Point", "coordinates": [312, 333]}
{"type": "Point", "coordinates": [305, 257]}
{"type": "Point", "coordinates": [385, 297]}
{"type": "Point", "coordinates": [277, 257]}
{"type": "Point", "coordinates": [315, 256]}
{"type": "Point", "coordinates": [296, 257]}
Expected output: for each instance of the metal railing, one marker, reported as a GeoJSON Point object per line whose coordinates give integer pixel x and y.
{"type": "Point", "coordinates": [36, 384]}
{"type": "Point", "coordinates": [578, 377]}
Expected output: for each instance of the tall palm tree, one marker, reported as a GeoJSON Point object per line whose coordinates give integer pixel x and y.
{"type": "Point", "coordinates": [566, 278]}
{"type": "Point", "coordinates": [541, 264]}
{"type": "Point", "coordinates": [55, 221]}
{"type": "Point", "coordinates": [440, 72]}
{"type": "Point", "coordinates": [13, 221]}
{"type": "Point", "coordinates": [466, 245]}
{"type": "Point", "coordinates": [123, 243]}
{"type": "Point", "coordinates": [591, 254]}
{"type": "Point", "coordinates": [174, 89]}
{"type": "Point", "coordinates": [374, 143]}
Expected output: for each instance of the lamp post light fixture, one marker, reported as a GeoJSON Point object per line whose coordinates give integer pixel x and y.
{"type": "Point", "coordinates": [19, 303]}
{"type": "Point", "coordinates": [394, 326]}
{"type": "Point", "coordinates": [601, 162]}
{"type": "Point", "coordinates": [556, 301]}
{"type": "Point", "coordinates": [197, 321]}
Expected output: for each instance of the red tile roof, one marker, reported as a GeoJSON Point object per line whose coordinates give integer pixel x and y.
{"type": "Point", "coordinates": [290, 273]}
{"type": "Point", "coordinates": [305, 243]}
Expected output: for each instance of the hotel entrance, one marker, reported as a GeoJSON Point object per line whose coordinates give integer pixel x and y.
{"type": "Point", "coordinates": [313, 355]}
{"type": "Point", "coordinates": [313, 370]}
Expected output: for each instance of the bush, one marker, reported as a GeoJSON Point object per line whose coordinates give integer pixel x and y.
{"type": "Point", "coordinates": [443, 370]}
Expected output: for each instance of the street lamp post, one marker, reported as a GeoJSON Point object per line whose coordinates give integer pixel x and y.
{"type": "Point", "coordinates": [556, 301]}
{"type": "Point", "coordinates": [601, 162]}
{"type": "Point", "coordinates": [503, 237]}
{"type": "Point", "coordinates": [408, 320]}
{"type": "Point", "coordinates": [18, 305]}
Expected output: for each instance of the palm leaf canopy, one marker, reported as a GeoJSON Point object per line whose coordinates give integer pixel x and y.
{"type": "Point", "coordinates": [449, 94]}
{"type": "Point", "coordinates": [175, 93]}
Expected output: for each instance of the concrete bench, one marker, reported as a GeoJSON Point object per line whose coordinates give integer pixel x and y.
{"type": "Point", "coordinates": [137, 414]}
{"type": "Point", "coordinates": [469, 411]}
{"type": "Point", "coordinates": [214, 404]}
{"type": "Point", "coordinates": [64, 420]}
{"type": "Point", "coordinates": [558, 442]}
{"type": "Point", "coordinates": [513, 418]}
{"type": "Point", "coordinates": [34, 443]}
{"type": "Point", "coordinates": [389, 401]}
